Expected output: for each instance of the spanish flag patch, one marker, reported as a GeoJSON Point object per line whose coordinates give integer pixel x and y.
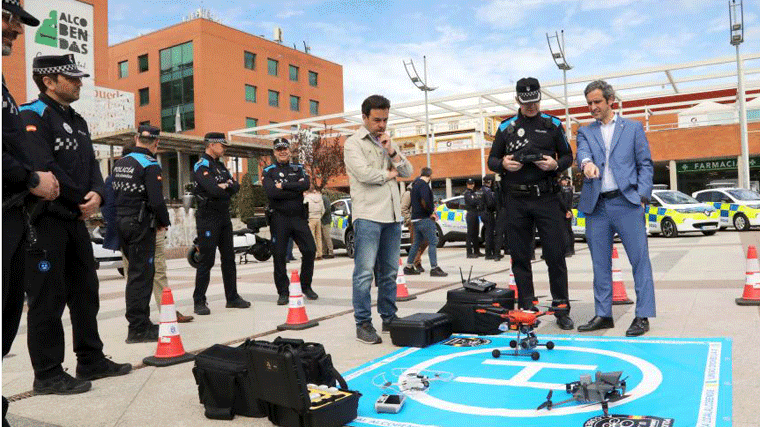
{"type": "Point", "coordinates": [31, 128]}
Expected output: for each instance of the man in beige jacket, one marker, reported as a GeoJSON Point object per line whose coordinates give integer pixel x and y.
{"type": "Point", "coordinates": [316, 209]}
{"type": "Point", "coordinates": [373, 162]}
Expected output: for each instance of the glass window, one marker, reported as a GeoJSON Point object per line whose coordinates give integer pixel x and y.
{"type": "Point", "coordinates": [272, 123]}
{"type": "Point", "coordinates": [274, 98]}
{"type": "Point", "coordinates": [313, 107]}
{"type": "Point", "coordinates": [312, 78]}
{"type": "Point", "coordinates": [293, 73]}
{"type": "Point", "coordinates": [144, 96]}
{"type": "Point", "coordinates": [250, 60]}
{"type": "Point", "coordinates": [145, 123]}
{"type": "Point", "coordinates": [272, 66]}
{"type": "Point", "coordinates": [177, 88]}
{"type": "Point", "coordinates": [295, 103]}
{"type": "Point", "coordinates": [142, 63]}
{"type": "Point", "coordinates": [123, 69]}
{"type": "Point", "coordinates": [250, 122]}
{"type": "Point", "coordinates": [250, 93]}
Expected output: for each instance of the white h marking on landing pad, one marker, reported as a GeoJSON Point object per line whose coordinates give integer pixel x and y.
{"type": "Point", "coordinates": [522, 378]}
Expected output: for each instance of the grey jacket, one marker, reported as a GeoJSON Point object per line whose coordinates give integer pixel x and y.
{"type": "Point", "coordinates": [373, 196]}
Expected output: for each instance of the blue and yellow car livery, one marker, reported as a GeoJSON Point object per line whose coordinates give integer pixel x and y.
{"type": "Point", "coordinates": [738, 207]}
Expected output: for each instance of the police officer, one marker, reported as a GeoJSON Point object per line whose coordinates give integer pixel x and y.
{"type": "Point", "coordinates": [284, 183]}
{"type": "Point", "coordinates": [471, 202]}
{"type": "Point", "coordinates": [486, 210]}
{"type": "Point", "coordinates": [19, 179]}
{"type": "Point", "coordinates": [140, 210]}
{"type": "Point", "coordinates": [65, 273]}
{"type": "Point", "coordinates": [214, 186]}
{"type": "Point", "coordinates": [500, 228]}
{"type": "Point", "coordinates": [528, 151]}
{"type": "Point", "coordinates": [566, 198]}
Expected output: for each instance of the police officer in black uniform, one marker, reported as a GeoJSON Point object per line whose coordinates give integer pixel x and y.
{"type": "Point", "coordinates": [65, 274]}
{"type": "Point", "coordinates": [214, 186]}
{"type": "Point", "coordinates": [19, 180]}
{"type": "Point", "coordinates": [486, 210]}
{"type": "Point", "coordinates": [528, 151]}
{"type": "Point", "coordinates": [284, 183]}
{"type": "Point", "coordinates": [471, 201]}
{"type": "Point", "coordinates": [500, 228]}
{"type": "Point", "coordinates": [566, 198]}
{"type": "Point", "coordinates": [140, 210]}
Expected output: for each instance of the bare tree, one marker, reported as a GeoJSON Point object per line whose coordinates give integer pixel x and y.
{"type": "Point", "coordinates": [321, 156]}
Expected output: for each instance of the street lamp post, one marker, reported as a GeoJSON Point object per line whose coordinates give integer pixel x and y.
{"type": "Point", "coordinates": [559, 58]}
{"type": "Point", "coordinates": [423, 86]}
{"type": "Point", "coordinates": [736, 17]}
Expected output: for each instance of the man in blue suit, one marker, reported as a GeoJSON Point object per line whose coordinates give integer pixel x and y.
{"type": "Point", "coordinates": [613, 154]}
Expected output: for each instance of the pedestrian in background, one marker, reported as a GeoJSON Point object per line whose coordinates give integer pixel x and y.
{"type": "Point", "coordinates": [316, 208]}
{"type": "Point", "coordinates": [327, 243]}
{"type": "Point", "coordinates": [487, 212]}
{"type": "Point", "coordinates": [406, 212]}
{"type": "Point", "coordinates": [373, 162]}
{"type": "Point", "coordinates": [423, 222]}
{"type": "Point", "coordinates": [566, 198]}
{"type": "Point", "coordinates": [472, 201]}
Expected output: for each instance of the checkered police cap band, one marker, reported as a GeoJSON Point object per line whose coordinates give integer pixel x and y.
{"type": "Point", "coordinates": [13, 2]}
{"type": "Point", "coordinates": [60, 69]}
{"type": "Point", "coordinates": [214, 140]}
{"type": "Point", "coordinates": [532, 96]}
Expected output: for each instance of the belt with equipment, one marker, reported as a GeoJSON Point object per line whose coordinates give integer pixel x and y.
{"type": "Point", "coordinates": [534, 190]}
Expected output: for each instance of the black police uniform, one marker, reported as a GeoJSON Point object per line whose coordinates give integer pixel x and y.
{"type": "Point", "coordinates": [486, 210]}
{"type": "Point", "coordinates": [212, 220]}
{"type": "Point", "coordinates": [288, 219]}
{"type": "Point", "coordinates": [566, 199]}
{"type": "Point", "coordinates": [531, 199]}
{"type": "Point", "coordinates": [140, 209]}
{"type": "Point", "coordinates": [67, 274]}
{"type": "Point", "coordinates": [18, 176]}
{"type": "Point", "coordinates": [500, 228]}
{"type": "Point", "coordinates": [471, 202]}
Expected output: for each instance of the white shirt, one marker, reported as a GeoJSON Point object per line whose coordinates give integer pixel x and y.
{"type": "Point", "coordinates": [608, 179]}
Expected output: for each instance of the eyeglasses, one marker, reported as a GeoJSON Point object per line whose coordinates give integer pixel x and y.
{"type": "Point", "coordinates": [11, 18]}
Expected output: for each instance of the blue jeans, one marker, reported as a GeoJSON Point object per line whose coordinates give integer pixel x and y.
{"type": "Point", "coordinates": [424, 229]}
{"type": "Point", "coordinates": [376, 256]}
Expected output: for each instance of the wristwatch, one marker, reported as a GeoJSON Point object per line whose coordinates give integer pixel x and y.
{"type": "Point", "coordinates": [33, 181]}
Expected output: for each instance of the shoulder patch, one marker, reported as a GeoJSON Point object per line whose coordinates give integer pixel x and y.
{"type": "Point", "coordinates": [37, 106]}
{"type": "Point", "coordinates": [555, 121]}
{"type": "Point", "coordinates": [143, 160]}
{"type": "Point", "coordinates": [201, 162]}
{"type": "Point", "coordinates": [268, 168]}
{"type": "Point", "coordinates": [507, 122]}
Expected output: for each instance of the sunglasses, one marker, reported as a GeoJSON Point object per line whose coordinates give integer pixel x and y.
{"type": "Point", "coordinates": [11, 18]}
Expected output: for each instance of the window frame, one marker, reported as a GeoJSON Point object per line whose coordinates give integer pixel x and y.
{"type": "Point", "coordinates": [277, 98]}
{"type": "Point", "coordinates": [292, 67]}
{"type": "Point", "coordinates": [315, 80]}
{"type": "Point", "coordinates": [245, 60]}
{"type": "Point", "coordinates": [313, 111]}
{"type": "Point", "coordinates": [276, 63]}
{"type": "Point", "coordinates": [140, 96]}
{"type": "Point", "coordinates": [255, 93]}
{"type": "Point", "coordinates": [123, 69]}
{"type": "Point", "coordinates": [298, 103]}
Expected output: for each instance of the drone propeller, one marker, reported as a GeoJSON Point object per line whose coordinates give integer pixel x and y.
{"type": "Point", "coordinates": [548, 403]}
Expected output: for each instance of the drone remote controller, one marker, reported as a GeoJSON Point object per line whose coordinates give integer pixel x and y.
{"type": "Point", "coordinates": [477, 285]}
{"type": "Point", "coordinates": [389, 403]}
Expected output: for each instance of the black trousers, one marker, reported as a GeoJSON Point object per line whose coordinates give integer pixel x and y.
{"type": "Point", "coordinates": [500, 231]}
{"type": "Point", "coordinates": [284, 227]}
{"type": "Point", "coordinates": [14, 231]}
{"type": "Point", "coordinates": [488, 231]}
{"type": "Point", "coordinates": [64, 276]}
{"type": "Point", "coordinates": [473, 240]}
{"type": "Point", "coordinates": [138, 242]}
{"type": "Point", "coordinates": [544, 213]}
{"type": "Point", "coordinates": [570, 239]}
{"type": "Point", "coordinates": [215, 230]}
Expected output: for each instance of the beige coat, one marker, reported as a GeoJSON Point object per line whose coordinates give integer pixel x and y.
{"type": "Point", "coordinates": [373, 195]}
{"type": "Point", "coordinates": [316, 206]}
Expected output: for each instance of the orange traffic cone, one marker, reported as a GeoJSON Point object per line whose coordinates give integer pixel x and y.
{"type": "Point", "coordinates": [512, 282]}
{"type": "Point", "coordinates": [169, 350]}
{"type": "Point", "coordinates": [619, 296]}
{"type": "Point", "coordinates": [297, 318]}
{"type": "Point", "coordinates": [751, 295]}
{"type": "Point", "coordinates": [402, 293]}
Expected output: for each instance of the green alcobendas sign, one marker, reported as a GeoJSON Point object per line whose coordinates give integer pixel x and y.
{"type": "Point", "coordinates": [728, 163]}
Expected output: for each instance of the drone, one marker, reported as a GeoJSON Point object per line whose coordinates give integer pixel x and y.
{"type": "Point", "coordinates": [410, 382]}
{"type": "Point", "coordinates": [607, 387]}
{"type": "Point", "coordinates": [524, 322]}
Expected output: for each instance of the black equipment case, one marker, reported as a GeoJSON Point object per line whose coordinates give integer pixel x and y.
{"type": "Point", "coordinates": [420, 330]}
{"type": "Point", "coordinates": [226, 383]}
{"type": "Point", "coordinates": [281, 381]}
{"type": "Point", "coordinates": [461, 304]}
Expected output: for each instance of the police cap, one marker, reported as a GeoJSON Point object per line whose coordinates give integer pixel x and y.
{"type": "Point", "coordinates": [148, 132]}
{"type": "Point", "coordinates": [528, 90]}
{"type": "Point", "coordinates": [470, 181]}
{"type": "Point", "coordinates": [57, 64]}
{"type": "Point", "coordinates": [214, 137]}
{"type": "Point", "coordinates": [281, 143]}
{"type": "Point", "coordinates": [14, 7]}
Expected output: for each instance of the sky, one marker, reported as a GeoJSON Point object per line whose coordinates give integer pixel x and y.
{"type": "Point", "coordinates": [469, 45]}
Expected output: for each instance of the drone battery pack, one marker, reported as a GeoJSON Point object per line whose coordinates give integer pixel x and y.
{"type": "Point", "coordinates": [420, 330]}
{"type": "Point", "coordinates": [282, 383]}
{"type": "Point", "coordinates": [461, 305]}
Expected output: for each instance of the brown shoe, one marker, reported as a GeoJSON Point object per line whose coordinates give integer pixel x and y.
{"type": "Point", "coordinates": [183, 319]}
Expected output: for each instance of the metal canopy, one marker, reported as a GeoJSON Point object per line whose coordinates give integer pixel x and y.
{"type": "Point", "coordinates": [636, 85]}
{"type": "Point", "coordinates": [252, 147]}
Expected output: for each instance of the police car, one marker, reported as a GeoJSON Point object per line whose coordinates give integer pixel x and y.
{"type": "Point", "coordinates": [452, 223]}
{"type": "Point", "coordinates": [671, 212]}
{"type": "Point", "coordinates": [342, 230]}
{"type": "Point", "coordinates": [579, 218]}
{"type": "Point", "coordinates": [738, 207]}
{"type": "Point", "coordinates": [105, 258]}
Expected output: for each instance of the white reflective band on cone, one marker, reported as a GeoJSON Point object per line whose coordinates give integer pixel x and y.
{"type": "Point", "coordinates": [168, 314]}
{"type": "Point", "coordinates": [167, 330]}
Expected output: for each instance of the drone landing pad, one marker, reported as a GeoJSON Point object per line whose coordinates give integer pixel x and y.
{"type": "Point", "coordinates": [681, 381]}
